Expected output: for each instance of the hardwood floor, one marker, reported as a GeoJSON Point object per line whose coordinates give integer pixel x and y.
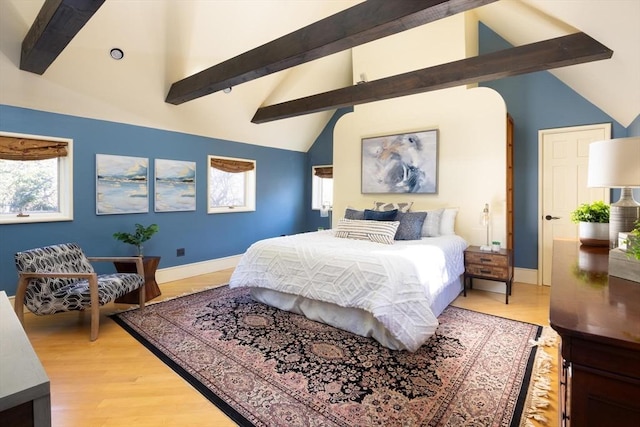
{"type": "Point", "coordinates": [114, 381]}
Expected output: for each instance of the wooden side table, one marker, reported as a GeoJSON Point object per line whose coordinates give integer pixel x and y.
{"type": "Point", "coordinates": [487, 265]}
{"type": "Point", "coordinates": [151, 286]}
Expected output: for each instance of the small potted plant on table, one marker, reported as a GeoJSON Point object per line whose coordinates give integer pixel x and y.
{"type": "Point", "coordinates": [593, 221]}
{"type": "Point", "coordinates": [141, 235]}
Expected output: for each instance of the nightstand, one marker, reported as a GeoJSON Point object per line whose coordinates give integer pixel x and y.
{"type": "Point", "coordinates": [487, 265]}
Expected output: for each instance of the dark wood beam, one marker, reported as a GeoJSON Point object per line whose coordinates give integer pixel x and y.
{"type": "Point", "coordinates": [357, 25]}
{"type": "Point", "coordinates": [573, 49]}
{"type": "Point", "coordinates": [56, 24]}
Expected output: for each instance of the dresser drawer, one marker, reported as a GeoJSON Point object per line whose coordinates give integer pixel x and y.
{"type": "Point", "coordinates": [486, 259]}
{"type": "Point", "coordinates": [488, 271]}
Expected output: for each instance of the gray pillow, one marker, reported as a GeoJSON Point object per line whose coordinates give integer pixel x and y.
{"type": "Point", "coordinates": [410, 227]}
{"type": "Point", "coordinates": [353, 214]}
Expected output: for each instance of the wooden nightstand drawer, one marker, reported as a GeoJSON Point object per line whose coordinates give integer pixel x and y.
{"type": "Point", "coordinates": [487, 259]}
{"type": "Point", "coordinates": [496, 266]}
{"type": "Point", "coordinates": [488, 271]}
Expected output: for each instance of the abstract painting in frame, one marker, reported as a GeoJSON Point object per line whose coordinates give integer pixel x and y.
{"type": "Point", "coordinates": [175, 185]}
{"type": "Point", "coordinates": [401, 163]}
{"type": "Point", "coordinates": [122, 184]}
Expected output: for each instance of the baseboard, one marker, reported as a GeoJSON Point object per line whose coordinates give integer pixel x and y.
{"type": "Point", "coordinates": [180, 272]}
{"type": "Point", "coordinates": [520, 275]}
{"type": "Point", "coordinates": [525, 275]}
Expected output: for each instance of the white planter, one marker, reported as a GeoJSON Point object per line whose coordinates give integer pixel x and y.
{"type": "Point", "coordinates": [594, 233]}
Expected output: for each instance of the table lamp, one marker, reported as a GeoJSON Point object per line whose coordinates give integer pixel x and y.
{"type": "Point", "coordinates": [615, 163]}
{"type": "Point", "coordinates": [485, 220]}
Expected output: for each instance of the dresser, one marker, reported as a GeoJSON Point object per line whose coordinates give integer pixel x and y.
{"type": "Point", "coordinates": [489, 266]}
{"type": "Point", "coordinates": [598, 319]}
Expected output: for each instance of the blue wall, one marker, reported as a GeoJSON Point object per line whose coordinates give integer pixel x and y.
{"type": "Point", "coordinates": [321, 153]}
{"type": "Point", "coordinates": [280, 207]}
{"type": "Point", "coordinates": [536, 101]}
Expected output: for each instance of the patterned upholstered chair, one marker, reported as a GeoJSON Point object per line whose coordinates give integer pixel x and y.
{"type": "Point", "coordinates": [60, 278]}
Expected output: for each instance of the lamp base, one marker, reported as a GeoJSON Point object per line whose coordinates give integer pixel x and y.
{"type": "Point", "coordinates": [624, 214]}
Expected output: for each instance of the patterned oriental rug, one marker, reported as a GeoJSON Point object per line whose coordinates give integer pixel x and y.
{"type": "Point", "coordinates": [267, 367]}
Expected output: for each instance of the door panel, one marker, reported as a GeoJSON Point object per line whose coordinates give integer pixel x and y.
{"type": "Point", "coordinates": [564, 156]}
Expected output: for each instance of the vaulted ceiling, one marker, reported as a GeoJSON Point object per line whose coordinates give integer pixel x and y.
{"type": "Point", "coordinates": [165, 41]}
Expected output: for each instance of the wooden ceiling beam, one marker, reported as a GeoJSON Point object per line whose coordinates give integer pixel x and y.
{"type": "Point", "coordinates": [56, 24]}
{"type": "Point", "coordinates": [559, 52]}
{"type": "Point", "coordinates": [367, 21]}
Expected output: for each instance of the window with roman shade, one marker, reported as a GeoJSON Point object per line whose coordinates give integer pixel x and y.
{"type": "Point", "coordinates": [231, 185]}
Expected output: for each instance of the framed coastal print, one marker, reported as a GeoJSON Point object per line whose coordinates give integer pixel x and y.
{"type": "Point", "coordinates": [401, 163]}
{"type": "Point", "coordinates": [175, 185]}
{"type": "Point", "coordinates": [122, 184]}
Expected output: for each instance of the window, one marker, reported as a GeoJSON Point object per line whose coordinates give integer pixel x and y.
{"type": "Point", "coordinates": [36, 179]}
{"type": "Point", "coordinates": [322, 187]}
{"type": "Point", "coordinates": [231, 185]}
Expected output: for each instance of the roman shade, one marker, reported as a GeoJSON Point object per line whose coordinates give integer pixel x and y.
{"type": "Point", "coordinates": [323, 171]}
{"type": "Point", "coordinates": [232, 166]}
{"type": "Point", "coordinates": [16, 148]}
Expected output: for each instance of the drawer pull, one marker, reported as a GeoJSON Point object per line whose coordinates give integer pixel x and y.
{"type": "Point", "coordinates": [485, 271]}
{"type": "Point", "coordinates": [486, 259]}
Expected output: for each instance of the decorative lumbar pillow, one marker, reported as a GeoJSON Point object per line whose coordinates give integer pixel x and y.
{"type": "Point", "coordinates": [431, 226]}
{"type": "Point", "coordinates": [448, 221]}
{"type": "Point", "coordinates": [375, 231]}
{"type": "Point", "coordinates": [401, 207]}
{"type": "Point", "coordinates": [380, 215]}
{"type": "Point", "coordinates": [350, 213]}
{"type": "Point", "coordinates": [410, 227]}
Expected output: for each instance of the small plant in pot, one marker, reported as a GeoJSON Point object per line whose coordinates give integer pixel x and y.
{"type": "Point", "coordinates": [593, 221]}
{"type": "Point", "coordinates": [141, 235]}
{"type": "Point", "coordinates": [633, 242]}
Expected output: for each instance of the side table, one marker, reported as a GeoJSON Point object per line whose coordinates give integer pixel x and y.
{"type": "Point", "coordinates": [487, 265]}
{"type": "Point", "coordinates": [151, 286]}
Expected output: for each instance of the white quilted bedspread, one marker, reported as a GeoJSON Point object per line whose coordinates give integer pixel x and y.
{"type": "Point", "coordinates": [395, 283]}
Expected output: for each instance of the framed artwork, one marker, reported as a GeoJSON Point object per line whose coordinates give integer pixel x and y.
{"type": "Point", "coordinates": [401, 163]}
{"type": "Point", "coordinates": [122, 184]}
{"type": "Point", "coordinates": [175, 185]}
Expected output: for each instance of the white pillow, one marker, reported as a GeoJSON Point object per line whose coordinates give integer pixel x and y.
{"type": "Point", "coordinates": [375, 231]}
{"type": "Point", "coordinates": [448, 221]}
{"type": "Point", "coordinates": [431, 225]}
{"type": "Point", "coordinates": [402, 207]}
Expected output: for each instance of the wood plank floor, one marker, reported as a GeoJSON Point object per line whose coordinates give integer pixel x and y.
{"type": "Point", "coordinates": [116, 382]}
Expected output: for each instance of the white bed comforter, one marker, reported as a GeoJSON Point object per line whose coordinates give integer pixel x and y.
{"type": "Point", "coordinates": [395, 283]}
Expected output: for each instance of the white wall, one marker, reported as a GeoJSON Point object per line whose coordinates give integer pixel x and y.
{"type": "Point", "coordinates": [471, 124]}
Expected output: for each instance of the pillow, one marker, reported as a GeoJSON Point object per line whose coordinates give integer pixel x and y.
{"type": "Point", "coordinates": [431, 226]}
{"type": "Point", "coordinates": [375, 231]}
{"type": "Point", "coordinates": [353, 214]}
{"type": "Point", "coordinates": [380, 215]}
{"type": "Point", "coordinates": [401, 207]}
{"type": "Point", "coordinates": [448, 221]}
{"type": "Point", "coordinates": [410, 227]}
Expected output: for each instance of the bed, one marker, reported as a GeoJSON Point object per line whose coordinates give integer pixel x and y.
{"type": "Point", "coordinates": [390, 292]}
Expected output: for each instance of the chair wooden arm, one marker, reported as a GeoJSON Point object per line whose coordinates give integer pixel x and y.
{"type": "Point", "coordinates": [23, 281]}
{"type": "Point", "coordinates": [139, 270]}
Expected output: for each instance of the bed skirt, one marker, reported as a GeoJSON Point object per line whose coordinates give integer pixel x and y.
{"type": "Point", "coordinates": [354, 320]}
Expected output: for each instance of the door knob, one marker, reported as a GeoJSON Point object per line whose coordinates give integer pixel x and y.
{"type": "Point", "coordinates": [549, 217]}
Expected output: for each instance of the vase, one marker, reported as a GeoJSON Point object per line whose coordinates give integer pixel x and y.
{"type": "Point", "coordinates": [594, 233]}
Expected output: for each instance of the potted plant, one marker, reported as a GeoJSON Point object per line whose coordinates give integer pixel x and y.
{"type": "Point", "coordinates": [593, 221]}
{"type": "Point", "coordinates": [633, 242]}
{"type": "Point", "coordinates": [141, 235]}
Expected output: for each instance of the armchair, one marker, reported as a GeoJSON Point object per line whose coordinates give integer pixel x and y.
{"type": "Point", "coordinates": [61, 278]}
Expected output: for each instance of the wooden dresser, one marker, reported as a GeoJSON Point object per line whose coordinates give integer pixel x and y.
{"type": "Point", "coordinates": [598, 319]}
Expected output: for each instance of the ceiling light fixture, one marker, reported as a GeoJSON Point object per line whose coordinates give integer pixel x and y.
{"type": "Point", "coordinates": [116, 53]}
{"type": "Point", "coordinates": [227, 90]}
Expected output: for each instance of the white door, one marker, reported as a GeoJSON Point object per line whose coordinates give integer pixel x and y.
{"type": "Point", "coordinates": [563, 159]}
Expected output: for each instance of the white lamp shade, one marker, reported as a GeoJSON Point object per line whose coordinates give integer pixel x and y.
{"type": "Point", "coordinates": [614, 163]}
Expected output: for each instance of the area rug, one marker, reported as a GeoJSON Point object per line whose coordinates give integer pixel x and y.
{"type": "Point", "coordinates": [267, 367]}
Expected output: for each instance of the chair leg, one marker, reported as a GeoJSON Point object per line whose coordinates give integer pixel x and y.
{"type": "Point", "coordinates": [19, 299]}
{"type": "Point", "coordinates": [95, 307]}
